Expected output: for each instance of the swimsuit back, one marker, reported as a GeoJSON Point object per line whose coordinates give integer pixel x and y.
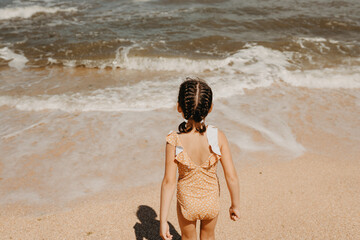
{"type": "Point", "coordinates": [198, 186]}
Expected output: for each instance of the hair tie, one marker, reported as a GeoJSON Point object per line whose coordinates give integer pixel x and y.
{"type": "Point", "coordinates": [185, 120]}
{"type": "Point", "coordinates": [202, 121]}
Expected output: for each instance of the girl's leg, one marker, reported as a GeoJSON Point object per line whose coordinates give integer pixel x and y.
{"type": "Point", "coordinates": [188, 228]}
{"type": "Point", "coordinates": [207, 229]}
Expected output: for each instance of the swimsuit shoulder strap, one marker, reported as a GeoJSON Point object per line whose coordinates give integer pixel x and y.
{"type": "Point", "coordinates": [212, 136]}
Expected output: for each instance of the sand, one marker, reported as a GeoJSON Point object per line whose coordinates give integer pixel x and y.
{"type": "Point", "coordinates": [296, 153]}
{"type": "Point", "coordinates": [310, 197]}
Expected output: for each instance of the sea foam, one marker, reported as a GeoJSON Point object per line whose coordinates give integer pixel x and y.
{"type": "Point", "coordinates": [250, 68]}
{"type": "Point", "coordinates": [28, 11]}
{"type": "Point", "coordinates": [17, 61]}
{"type": "Point", "coordinates": [143, 96]}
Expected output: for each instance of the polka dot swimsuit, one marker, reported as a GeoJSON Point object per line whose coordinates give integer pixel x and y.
{"type": "Point", "coordinates": [198, 187]}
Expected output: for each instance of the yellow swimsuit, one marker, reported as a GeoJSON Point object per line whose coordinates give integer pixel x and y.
{"type": "Point", "coordinates": [198, 187]}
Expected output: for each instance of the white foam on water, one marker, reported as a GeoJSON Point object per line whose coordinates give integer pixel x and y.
{"type": "Point", "coordinates": [69, 63]}
{"type": "Point", "coordinates": [252, 55]}
{"type": "Point", "coordinates": [52, 61]}
{"type": "Point", "coordinates": [325, 78]}
{"type": "Point", "coordinates": [143, 96]}
{"type": "Point", "coordinates": [313, 39]}
{"type": "Point", "coordinates": [271, 126]}
{"type": "Point", "coordinates": [252, 67]}
{"type": "Point", "coordinates": [28, 11]}
{"type": "Point", "coordinates": [245, 69]}
{"type": "Point", "coordinates": [17, 61]}
{"type": "Point", "coordinates": [324, 45]}
{"type": "Point", "coordinates": [124, 61]}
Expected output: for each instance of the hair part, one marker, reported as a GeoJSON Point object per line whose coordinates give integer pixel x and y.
{"type": "Point", "coordinates": [195, 100]}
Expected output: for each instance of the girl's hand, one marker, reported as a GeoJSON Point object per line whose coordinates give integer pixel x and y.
{"type": "Point", "coordinates": [234, 213]}
{"type": "Point", "coordinates": [164, 231]}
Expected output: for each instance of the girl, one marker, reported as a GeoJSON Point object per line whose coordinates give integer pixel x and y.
{"type": "Point", "coordinates": [195, 150]}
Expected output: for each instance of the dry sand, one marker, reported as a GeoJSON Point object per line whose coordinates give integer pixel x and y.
{"type": "Point", "coordinates": [311, 197]}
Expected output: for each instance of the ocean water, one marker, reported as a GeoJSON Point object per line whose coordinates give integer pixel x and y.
{"type": "Point", "coordinates": [88, 88]}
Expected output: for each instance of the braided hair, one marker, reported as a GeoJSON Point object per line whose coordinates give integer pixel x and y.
{"type": "Point", "coordinates": [195, 99]}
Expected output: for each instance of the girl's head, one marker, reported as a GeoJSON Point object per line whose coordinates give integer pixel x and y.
{"type": "Point", "coordinates": [194, 102]}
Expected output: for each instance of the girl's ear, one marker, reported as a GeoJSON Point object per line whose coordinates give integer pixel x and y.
{"type": "Point", "coordinates": [211, 108]}
{"type": "Point", "coordinates": [178, 108]}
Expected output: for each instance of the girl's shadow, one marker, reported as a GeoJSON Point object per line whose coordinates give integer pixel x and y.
{"type": "Point", "coordinates": [149, 227]}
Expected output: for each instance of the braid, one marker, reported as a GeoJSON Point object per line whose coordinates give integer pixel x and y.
{"type": "Point", "coordinates": [195, 99]}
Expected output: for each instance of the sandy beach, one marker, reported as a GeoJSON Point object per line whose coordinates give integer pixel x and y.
{"type": "Point", "coordinates": [88, 93]}
{"type": "Point", "coordinates": [311, 196]}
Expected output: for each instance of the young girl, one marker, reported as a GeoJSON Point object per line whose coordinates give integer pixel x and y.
{"type": "Point", "coordinates": [195, 150]}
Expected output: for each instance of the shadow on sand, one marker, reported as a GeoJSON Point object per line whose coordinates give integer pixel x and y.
{"type": "Point", "coordinates": [149, 227]}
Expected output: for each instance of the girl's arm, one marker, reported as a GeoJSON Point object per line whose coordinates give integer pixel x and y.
{"type": "Point", "coordinates": [167, 190]}
{"type": "Point", "coordinates": [230, 176]}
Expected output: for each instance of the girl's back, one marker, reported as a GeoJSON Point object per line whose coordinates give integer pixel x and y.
{"type": "Point", "coordinates": [196, 146]}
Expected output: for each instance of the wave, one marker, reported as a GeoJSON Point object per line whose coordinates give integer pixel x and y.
{"type": "Point", "coordinates": [343, 77]}
{"type": "Point", "coordinates": [302, 23]}
{"type": "Point", "coordinates": [17, 61]}
{"type": "Point", "coordinates": [28, 11]}
{"type": "Point", "coordinates": [252, 67]}
{"type": "Point", "coordinates": [183, 56]}
{"type": "Point", "coordinates": [143, 96]}
{"type": "Point", "coordinates": [124, 60]}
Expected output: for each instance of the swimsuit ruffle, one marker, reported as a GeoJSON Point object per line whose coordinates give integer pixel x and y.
{"type": "Point", "coordinates": [173, 139]}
